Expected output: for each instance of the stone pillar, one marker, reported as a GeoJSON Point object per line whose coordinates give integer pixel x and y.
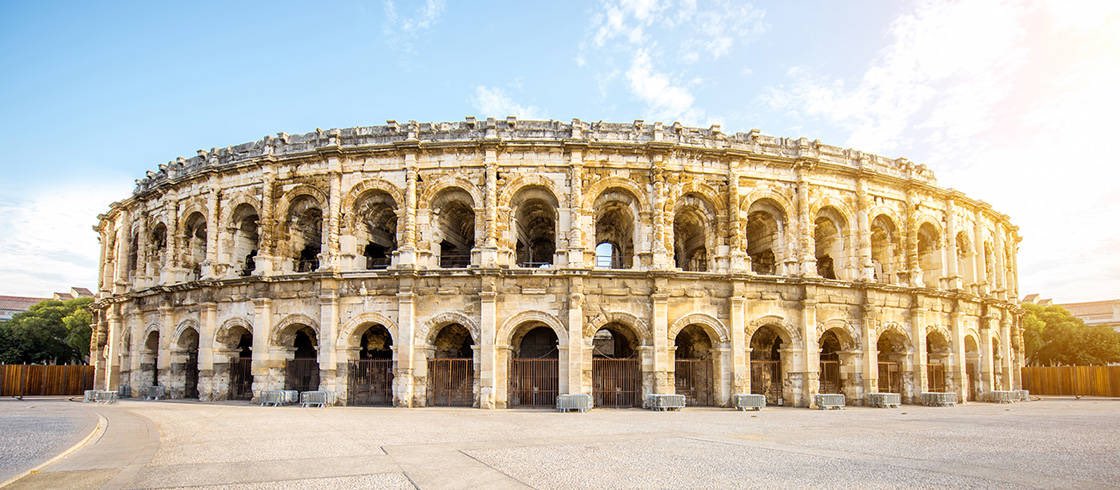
{"type": "Point", "coordinates": [328, 337]}
{"type": "Point", "coordinates": [1000, 268]}
{"type": "Point", "coordinates": [812, 366]}
{"type": "Point", "coordinates": [866, 269]}
{"type": "Point", "coordinates": [981, 267]}
{"type": "Point", "coordinates": [577, 382]}
{"type": "Point", "coordinates": [952, 261]}
{"type": "Point", "coordinates": [987, 363]}
{"type": "Point", "coordinates": [870, 348]}
{"type": "Point", "coordinates": [105, 272]}
{"type": "Point", "coordinates": [406, 253]}
{"type": "Point", "coordinates": [120, 270]}
{"type": "Point", "coordinates": [490, 241]}
{"type": "Point", "coordinates": [662, 256]}
{"type": "Point", "coordinates": [805, 224]}
{"type": "Point", "coordinates": [167, 326]}
{"type": "Point", "coordinates": [959, 361]}
{"type": "Point", "coordinates": [1008, 366]}
{"type": "Point", "coordinates": [262, 330]}
{"type": "Point", "coordinates": [913, 268]}
{"type": "Point", "coordinates": [575, 210]}
{"type": "Point", "coordinates": [404, 347]}
{"type": "Point", "coordinates": [141, 277]}
{"type": "Point", "coordinates": [740, 346]}
{"type": "Point", "coordinates": [663, 358]}
{"type": "Point", "coordinates": [332, 256]}
{"type": "Point", "coordinates": [740, 261]}
{"type": "Point", "coordinates": [210, 267]}
{"type": "Point", "coordinates": [113, 358]}
{"type": "Point", "coordinates": [920, 357]}
{"type": "Point", "coordinates": [207, 329]}
{"type": "Point", "coordinates": [487, 354]}
{"type": "Point", "coordinates": [263, 263]}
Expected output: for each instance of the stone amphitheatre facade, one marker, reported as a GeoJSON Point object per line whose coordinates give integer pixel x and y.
{"type": "Point", "coordinates": [498, 263]}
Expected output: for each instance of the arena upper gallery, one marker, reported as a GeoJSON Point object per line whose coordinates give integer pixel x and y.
{"type": "Point", "coordinates": [496, 263]}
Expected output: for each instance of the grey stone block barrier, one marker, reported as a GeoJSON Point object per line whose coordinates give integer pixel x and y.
{"type": "Point", "coordinates": [829, 401]}
{"type": "Point", "coordinates": [662, 402]}
{"type": "Point", "coordinates": [884, 400]}
{"type": "Point", "coordinates": [748, 402]}
{"type": "Point", "coordinates": [580, 402]}
{"type": "Point", "coordinates": [939, 399]}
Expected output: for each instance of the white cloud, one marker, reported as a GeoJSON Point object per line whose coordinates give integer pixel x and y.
{"type": "Point", "coordinates": [493, 102]}
{"type": "Point", "coordinates": [400, 30]}
{"type": "Point", "coordinates": [664, 98]}
{"type": "Point", "coordinates": [1009, 102]}
{"type": "Point", "coordinates": [47, 239]}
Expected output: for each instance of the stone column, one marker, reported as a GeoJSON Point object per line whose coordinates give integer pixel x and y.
{"type": "Point", "coordinates": [987, 364]}
{"type": "Point", "coordinates": [487, 355]}
{"type": "Point", "coordinates": [120, 270]}
{"type": "Point", "coordinates": [266, 237]}
{"type": "Point", "coordinates": [740, 346]}
{"type": "Point", "coordinates": [406, 253]}
{"type": "Point", "coordinates": [167, 326]}
{"type": "Point", "coordinates": [262, 330]}
{"type": "Point", "coordinates": [328, 336]}
{"type": "Point", "coordinates": [210, 267]}
{"type": "Point", "coordinates": [866, 270]}
{"type": "Point", "coordinates": [173, 269]}
{"type": "Point", "coordinates": [490, 242]}
{"type": "Point", "coordinates": [105, 272]}
{"type": "Point", "coordinates": [662, 257]}
{"type": "Point", "coordinates": [1008, 366]}
{"type": "Point", "coordinates": [404, 347]}
{"type": "Point", "coordinates": [575, 210]}
{"type": "Point", "coordinates": [113, 358]}
{"type": "Point", "coordinates": [804, 223]}
{"type": "Point", "coordinates": [577, 382]}
{"type": "Point", "coordinates": [740, 261]}
{"type": "Point", "coordinates": [1000, 268]}
{"type": "Point", "coordinates": [332, 258]}
{"type": "Point", "coordinates": [870, 348]}
{"type": "Point", "coordinates": [663, 359]}
{"type": "Point", "coordinates": [141, 275]}
{"type": "Point", "coordinates": [208, 328]}
{"type": "Point", "coordinates": [959, 361]}
{"type": "Point", "coordinates": [981, 267]}
{"type": "Point", "coordinates": [913, 268]}
{"type": "Point", "coordinates": [812, 380]}
{"type": "Point", "coordinates": [920, 357]}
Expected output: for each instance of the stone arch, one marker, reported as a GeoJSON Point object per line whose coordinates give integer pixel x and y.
{"type": "Point", "coordinates": [429, 329]}
{"type": "Point", "coordinates": [280, 332]}
{"type": "Point", "coordinates": [708, 193]}
{"type": "Point", "coordinates": [193, 206]}
{"type": "Point", "coordinates": [847, 333]}
{"type": "Point", "coordinates": [783, 203]}
{"type": "Point", "coordinates": [783, 327]}
{"type": "Point", "coordinates": [696, 228]}
{"type": "Point", "coordinates": [231, 205]}
{"type": "Point", "coordinates": [842, 208]}
{"type": "Point", "coordinates": [510, 326]}
{"type": "Point", "coordinates": [522, 181]}
{"type": "Point", "coordinates": [639, 327]}
{"type": "Point", "coordinates": [716, 329]}
{"type": "Point", "coordinates": [533, 217]}
{"type": "Point", "coordinates": [182, 328]}
{"type": "Point", "coordinates": [321, 199]}
{"type": "Point", "coordinates": [347, 335]}
{"type": "Point", "coordinates": [640, 196]}
{"type": "Point", "coordinates": [449, 183]}
{"type": "Point", "coordinates": [220, 337]}
{"type": "Point", "coordinates": [896, 328]}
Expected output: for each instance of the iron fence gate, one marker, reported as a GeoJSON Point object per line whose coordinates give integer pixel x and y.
{"type": "Point", "coordinates": [451, 382]}
{"type": "Point", "coordinates": [830, 377]}
{"type": "Point", "coordinates": [693, 379]}
{"type": "Point", "coordinates": [302, 375]}
{"type": "Point", "coordinates": [191, 375]}
{"type": "Point", "coordinates": [972, 371]}
{"type": "Point", "coordinates": [617, 383]}
{"type": "Point", "coordinates": [371, 382]}
{"type": "Point", "coordinates": [890, 378]}
{"type": "Point", "coordinates": [241, 379]}
{"type": "Point", "coordinates": [534, 382]}
{"type": "Point", "coordinates": [766, 379]}
{"type": "Point", "coordinates": [935, 374]}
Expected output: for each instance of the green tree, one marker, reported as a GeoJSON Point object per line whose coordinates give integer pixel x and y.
{"type": "Point", "coordinates": [1051, 335]}
{"type": "Point", "coordinates": [53, 332]}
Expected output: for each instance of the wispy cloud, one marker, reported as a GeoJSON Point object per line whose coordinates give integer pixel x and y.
{"type": "Point", "coordinates": [493, 101]}
{"type": "Point", "coordinates": [401, 29]}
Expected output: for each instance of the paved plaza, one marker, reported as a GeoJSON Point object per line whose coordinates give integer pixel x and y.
{"type": "Point", "coordinates": [1043, 444]}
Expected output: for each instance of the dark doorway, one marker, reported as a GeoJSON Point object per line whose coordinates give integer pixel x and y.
{"type": "Point", "coordinates": [534, 378]}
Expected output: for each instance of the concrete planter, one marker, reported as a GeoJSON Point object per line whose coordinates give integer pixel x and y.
{"type": "Point", "coordinates": [748, 402]}
{"type": "Point", "coordinates": [939, 399]}
{"type": "Point", "coordinates": [662, 402]}
{"type": "Point", "coordinates": [884, 400]}
{"type": "Point", "coordinates": [829, 401]}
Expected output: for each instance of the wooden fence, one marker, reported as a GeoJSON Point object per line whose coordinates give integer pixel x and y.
{"type": "Point", "coordinates": [32, 380]}
{"type": "Point", "coordinates": [1072, 380]}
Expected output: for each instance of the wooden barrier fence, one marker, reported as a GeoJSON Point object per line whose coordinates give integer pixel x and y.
{"type": "Point", "coordinates": [38, 380]}
{"type": "Point", "coordinates": [1072, 380]}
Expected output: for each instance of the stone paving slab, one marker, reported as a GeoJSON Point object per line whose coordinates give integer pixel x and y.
{"type": "Point", "coordinates": [34, 430]}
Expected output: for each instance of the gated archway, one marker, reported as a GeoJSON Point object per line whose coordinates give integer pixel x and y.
{"type": "Point", "coordinates": [235, 343]}
{"type": "Point", "coordinates": [302, 370]}
{"type": "Point", "coordinates": [830, 379]}
{"type": "Point", "coordinates": [766, 364]}
{"type": "Point", "coordinates": [451, 368]}
{"type": "Point", "coordinates": [892, 348]}
{"type": "Point", "coordinates": [972, 368]}
{"type": "Point", "coordinates": [694, 372]}
{"type": "Point", "coordinates": [937, 360]}
{"type": "Point", "coordinates": [616, 371]}
{"type": "Point", "coordinates": [534, 371]}
{"type": "Point", "coordinates": [149, 361]}
{"type": "Point", "coordinates": [184, 364]}
{"type": "Point", "coordinates": [371, 373]}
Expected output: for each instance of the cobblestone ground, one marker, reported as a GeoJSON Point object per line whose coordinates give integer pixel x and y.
{"type": "Point", "coordinates": [1041, 444]}
{"type": "Point", "coordinates": [34, 430]}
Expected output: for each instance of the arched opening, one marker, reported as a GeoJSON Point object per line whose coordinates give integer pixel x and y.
{"type": "Point", "coordinates": [239, 342]}
{"type": "Point", "coordinates": [305, 233]}
{"type": "Point", "coordinates": [245, 239]}
{"type": "Point", "coordinates": [451, 369]}
{"type": "Point", "coordinates": [694, 370]}
{"type": "Point", "coordinates": [534, 379]}
{"type": "Point", "coordinates": [829, 231]}
{"type": "Point", "coordinates": [375, 215]}
{"type": "Point", "coordinates": [929, 255]}
{"type": "Point", "coordinates": [766, 364]}
{"type": "Point", "coordinates": [133, 254]}
{"type": "Point", "coordinates": [615, 212]}
{"type": "Point", "coordinates": [691, 224]}
{"type": "Point", "coordinates": [184, 364]}
{"type": "Point", "coordinates": [830, 378]}
{"type": "Point", "coordinates": [303, 367]}
{"type": "Point", "coordinates": [157, 260]}
{"type": "Point", "coordinates": [972, 368]}
{"type": "Point", "coordinates": [535, 219]}
{"type": "Point", "coordinates": [455, 228]}
{"type": "Point", "coordinates": [966, 258]}
{"type": "Point", "coordinates": [371, 374]}
{"type": "Point", "coordinates": [765, 228]}
{"type": "Point", "coordinates": [149, 361]}
{"type": "Point", "coordinates": [892, 348]}
{"type": "Point", "coordinates": [194, 239]}
{"type": "Point", "coordinates": [616, 372]}
{"type": "Point", "coordinates": [937, 361]}
{"type": "Point", "coordinates": [886, 250]}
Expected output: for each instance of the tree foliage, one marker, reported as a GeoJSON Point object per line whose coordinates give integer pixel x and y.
{"type": "Point", "coordinates": [1052, 336]}
{"type": "Point", "coordinates": [51, 332]}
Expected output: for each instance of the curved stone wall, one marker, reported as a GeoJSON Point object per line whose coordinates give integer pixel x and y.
{"type": "Point", "coordinates": [718, 263]}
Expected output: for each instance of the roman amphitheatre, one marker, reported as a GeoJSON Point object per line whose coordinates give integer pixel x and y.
{"type": "Point", "coordinates": [501, 262]}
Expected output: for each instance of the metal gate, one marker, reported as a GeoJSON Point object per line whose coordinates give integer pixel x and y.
{"type": "Point", "coordinates": [241, 379]}
{"type": "Point", "coordinates": [451, 382]}
{"type": "Point", "coordinates": [191, 375]}
{"type": "Point", "coordinates": [693, 379]}
{"type": "Point", "coordinates": [302, 375]}
{"type": "Point", "coordinates": [830, 377]}
{"type": "Point", "coordinates": [973, 380]}
{"type": "Point", "coordinates": [890, 378]}
{"type": "Point", "coordinates": [534, 382]}
{"type": "Point", "coordinates": [766, 379]}
{"type": "Point", "coordinates": [935, 374]}
{"type": "Point", "coordinates": [371, 382]}
{"type": "Point", "coordinates": [617, 383]}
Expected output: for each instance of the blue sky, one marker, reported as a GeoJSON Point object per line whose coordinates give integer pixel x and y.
{"type": "Point", "coordinates": [990, 95]}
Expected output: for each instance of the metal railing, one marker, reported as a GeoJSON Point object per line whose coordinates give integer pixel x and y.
{"type": "Point", "coordinates": [451, 382]}
{"type": "Point", "coordinates": [617, 383]}
{"type": "Point", "coordinates": [534, 382]}
{"type": "Point", "coordinates": [455, 260]}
